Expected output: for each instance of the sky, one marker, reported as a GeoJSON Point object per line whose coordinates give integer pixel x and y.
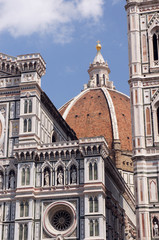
{"type": "Point", "coordinates": [65, 33]}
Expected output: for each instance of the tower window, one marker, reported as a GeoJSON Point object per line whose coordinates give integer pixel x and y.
{"type": "Point", "coordinates": [94, 228]}
{"type": "Point", "coordinates": [28, 106]}
{"type": "Point", "coordinates": [23, 232]}
{"type": "Point", "coordinates": [97, 76]}
{"type": "Point", "coordinates": [155, 47]}
{"type": "Point", "coordinates": [27, 125]}
{"type": "Point", "coordinates": [90, 171]}
{"type": "Point", "coordinates": [25, 176]}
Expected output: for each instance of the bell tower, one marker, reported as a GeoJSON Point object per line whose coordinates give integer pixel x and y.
{"type": "Point", "coordinates": [143, 45]}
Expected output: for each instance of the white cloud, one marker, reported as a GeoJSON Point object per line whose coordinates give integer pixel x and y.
{"type": "Point", "coordinates": [58, 17]}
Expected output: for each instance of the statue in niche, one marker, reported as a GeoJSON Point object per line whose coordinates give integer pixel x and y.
{"type": "Point", "coordinates": [12, 181]}
{"type": "Point", "coordinates": [155, 228]}
{"type": "Point", "coordinates": [74, 176]}
{"type": "Point", "coordinates": [60, 177]}
{"type": "Point", "coordinates": [1, 180]}
{"type": "Point", "coordinates": [47, 178]}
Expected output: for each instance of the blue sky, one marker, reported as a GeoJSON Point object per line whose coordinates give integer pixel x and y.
{"type": "Point", "coordinates": [65, 33]}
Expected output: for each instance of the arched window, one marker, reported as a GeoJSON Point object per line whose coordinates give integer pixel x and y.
{"type": "Point", "coordinates": [97, 77]}
{"type": "Point", "coordinates": [23, 176]}
{"type": "Point", "coordinates": [95, 171]}
{"type": "Point", "coordinates": [90, 171]}
{"type": "Point", "coordinates": [26, 209]}
{"type": "Point", "coordinates": [96, 204]}
{"type": "Point", "coordinates": [21, 232]}
{"type": "Point", "coordinates": [25, 232]}
{"type": "Point", "coordinates": [21, 209]}
{"type": "Point", "coordinates": [90, 204]}
{"type": "Point", "coordinates": [96, 228]}
{"type": "Point", "coordinates": [25, 125]}
{"type": "Point", "coordinates": [158, 119]}
{"type": "Point", "coordinates": [155, 47]}
{"type": "Point", "coordinates": [25, 106]}
{"type": "Point", "coordinates": [30, 106]}
{"type": "Point", "coordinates": [29, 125]}
{"type": "Point", "coordinates": [91, 228]}
{"type": "Point", "coordinates": [27, 176]}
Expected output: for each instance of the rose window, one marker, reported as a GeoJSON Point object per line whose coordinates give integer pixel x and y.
{"type": "Point", "coordinates": [61, 220]}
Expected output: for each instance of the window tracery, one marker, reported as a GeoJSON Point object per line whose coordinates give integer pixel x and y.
{"type": "Point", "coordinates": [28, 106]}
{"type": "Point", "coordinates": [24, 209]}
{"type": "Point", "coordinates": [23, 232]}
{"type": "Point", "coordinates": [93, 170]}
{"type": "Point", "coordinates": [93, 204]}
{"type": "Point", "coordinates": [94, 227]}
{"type": "Point", "coordinates": [27, 125]}
{"type": "Point", "coordinates": [25, 176]}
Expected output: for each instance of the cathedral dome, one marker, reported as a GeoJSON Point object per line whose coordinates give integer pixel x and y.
{"type": "Point", "coordinates": [100, 112]}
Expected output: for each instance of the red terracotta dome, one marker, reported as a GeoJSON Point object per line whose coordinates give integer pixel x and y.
{"type": "Point", "coordinates": [100, 111]}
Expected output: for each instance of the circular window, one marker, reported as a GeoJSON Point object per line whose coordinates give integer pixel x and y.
{"type": "Point", "coordinates": [59, 218]}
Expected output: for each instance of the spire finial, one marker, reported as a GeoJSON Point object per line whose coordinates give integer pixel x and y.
{"type": "Point", "coordinates": [98, 46]}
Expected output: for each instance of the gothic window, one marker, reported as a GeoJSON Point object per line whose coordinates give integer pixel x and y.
{"type": "Point", "coordinates": [25, 176]}
{"type": "Point", "coordinates": [30, 106]}
{"type": "Point", "coordinates": [95, 171]}
{"type": "Point", "coordinates": [155, 47]}
{"type": "Point", "coordinates": [73, 174]}
{"type": "Point", "coordinates": [158, 119]}
{"type": "Point", "coordinates": [90, 171]}
{"type": "Point", "coordinates": [96, 228]}
{"type": "Point", "coordinates": [95, 204]}
{"type": "Point", "coordinates": [23, 232]}
{"type": "Point", "coordinates": [90, 204]}
{"type": "Point", "coordinates": [24, 209]}
{"type": "Point", "coordinates": [29, 125]}
{"type": "Point", "coordinates": [91, 228]}
{"type": "Point", "coordinates": [21, 209]}
{"type": "Point", "coordinates": [25, 125]}
{"type": "Point", "coordinates": [25, 106]}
